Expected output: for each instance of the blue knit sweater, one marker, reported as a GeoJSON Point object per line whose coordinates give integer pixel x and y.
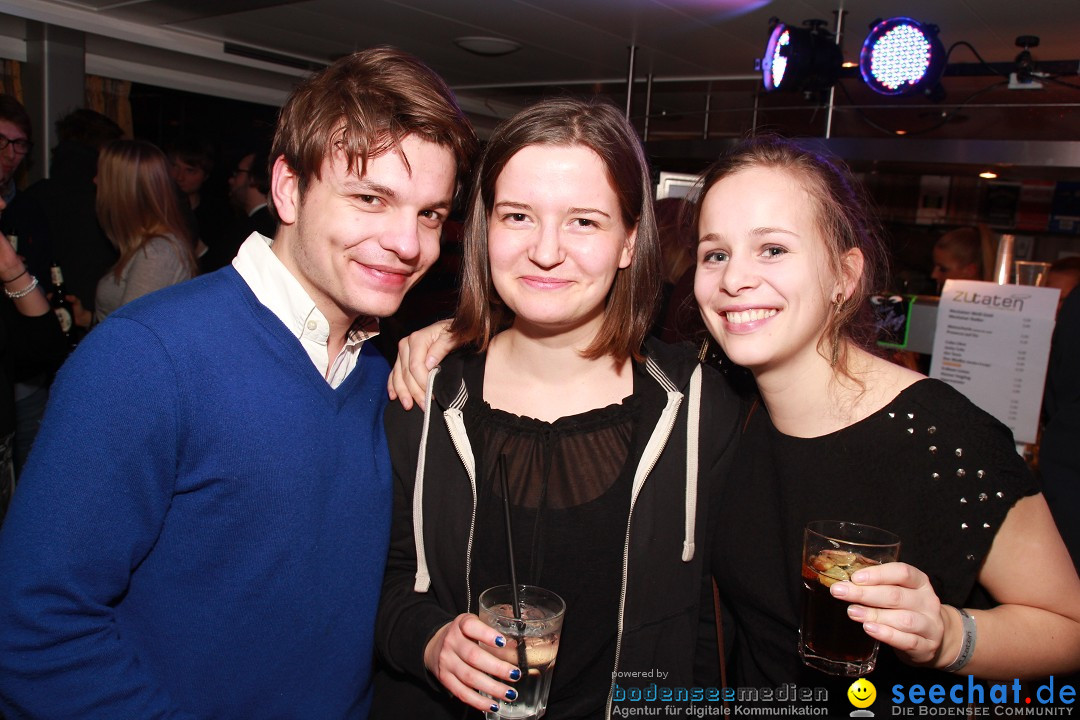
{"type": "Point", "coordinates": [202, 526]}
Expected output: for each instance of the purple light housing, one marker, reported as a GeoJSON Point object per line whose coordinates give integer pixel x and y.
{"type": "Point", "coordinates": [805, 59]}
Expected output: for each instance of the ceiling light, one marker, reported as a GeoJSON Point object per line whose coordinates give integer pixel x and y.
{"type": "Point", "coordinates": [805, 59]}
{"type": "Point", "coordinates": [489, 46]}
{"type": "Point", "coordinates": [988, 175]}
{"type": "Point", "coordinates": [901, 56]}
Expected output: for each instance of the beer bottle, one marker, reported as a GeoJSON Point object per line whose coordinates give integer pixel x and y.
{"type": "Point", "coordinates": [59, 302]}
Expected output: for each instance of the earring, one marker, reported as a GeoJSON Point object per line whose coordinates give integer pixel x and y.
{"type": "Point", "coordinates": [838, 303]}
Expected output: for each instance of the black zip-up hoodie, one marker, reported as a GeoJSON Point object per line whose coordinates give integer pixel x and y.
{"type": "Point", "coordinates": [666, 619]}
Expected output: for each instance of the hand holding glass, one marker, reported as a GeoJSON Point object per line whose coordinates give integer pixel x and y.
{"type": "Point", "coordinates": [833, 550]}
{"type": "Point", "coordinates": [531, 643]}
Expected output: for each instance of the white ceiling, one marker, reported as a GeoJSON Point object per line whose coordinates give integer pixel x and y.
{"type": "Point", "coordinates": [562, 40]}
{"type": "Point", "coordinates": [581, 39]}
{"type": "Point", "coordinates": [701, 53]}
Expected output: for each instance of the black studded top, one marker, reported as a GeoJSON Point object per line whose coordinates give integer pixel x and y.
{"type": "Point", "coordinates": [930, 466]}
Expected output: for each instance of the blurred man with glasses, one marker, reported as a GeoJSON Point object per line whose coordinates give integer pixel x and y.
{"type": "Point", "coordinates": [249, 185]}
{"type": "Point", "coordinates": [15, 143]}
{"type": "Point", "coordinates": [25, 222]}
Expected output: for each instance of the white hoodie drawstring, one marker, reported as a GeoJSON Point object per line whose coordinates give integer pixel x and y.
{"type": "Point", "coordinates": [693, 420]}
{"type": "Point", "coordinates": [423, 577]}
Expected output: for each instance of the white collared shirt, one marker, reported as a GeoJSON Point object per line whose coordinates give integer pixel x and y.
{"type": "Point", "coordinates": [276, 288]}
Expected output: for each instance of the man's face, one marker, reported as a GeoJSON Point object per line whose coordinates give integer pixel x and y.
{"type": "Point", "coordinates": [239, 181]}
{"type": "Point", "coordinates": [357, 244]}
{"type": "Point", "coordinates": [189, 178]}
{"type": "Point", "coordinates": [10, 158]}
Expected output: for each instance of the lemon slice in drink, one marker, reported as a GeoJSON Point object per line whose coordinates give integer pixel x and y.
{"type": "Point", "coordinates": [541, 653]}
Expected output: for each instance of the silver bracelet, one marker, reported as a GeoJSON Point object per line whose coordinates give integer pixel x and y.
{"type": "Point", "coordinates": [24, 292]}
{"type": "Point", "coordinates": [967, 645]}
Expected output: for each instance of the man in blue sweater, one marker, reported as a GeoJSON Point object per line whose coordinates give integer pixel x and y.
{"type": "Point", "coordinates": [203, 523]}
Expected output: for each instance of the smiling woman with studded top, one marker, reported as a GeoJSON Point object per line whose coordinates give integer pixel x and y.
{"type": "Point", "coordinates": [787, 254]}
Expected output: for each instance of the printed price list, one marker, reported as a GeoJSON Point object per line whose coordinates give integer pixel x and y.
{"type": "Point", "coordinates": [992, 343]}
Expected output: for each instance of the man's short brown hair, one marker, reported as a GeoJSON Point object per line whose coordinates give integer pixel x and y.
{"type": "Point", "coordinates": [365, 104]}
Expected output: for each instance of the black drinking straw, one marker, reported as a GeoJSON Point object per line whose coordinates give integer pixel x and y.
{"type": "Point", "coordinates": [509, 535]}
{"type": "Point", "coordinates": [522, 660]}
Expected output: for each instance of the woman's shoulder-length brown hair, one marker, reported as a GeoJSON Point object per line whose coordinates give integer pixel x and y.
{"type": "Point", "coordinates": [631, 301]}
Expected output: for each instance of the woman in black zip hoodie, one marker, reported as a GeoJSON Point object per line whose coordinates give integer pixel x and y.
{"type": "Point", "coordinates": [615, 448]}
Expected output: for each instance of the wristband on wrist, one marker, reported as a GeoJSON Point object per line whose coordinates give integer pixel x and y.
{"type": "Point", "coordinates": [967, 643]}
{"type": "Point", "coordinates": [24, 292]}
{"type": "Point", "coordinates": [14, 278]}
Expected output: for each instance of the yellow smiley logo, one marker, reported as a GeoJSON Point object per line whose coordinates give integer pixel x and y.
{"type": "Point", "coordinates": [862, 693]}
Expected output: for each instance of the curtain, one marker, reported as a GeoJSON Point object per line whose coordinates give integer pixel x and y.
{"type": "Point", "coordinates": [111, 98]}
{"type": "Point", "coordinates": [11, 78]}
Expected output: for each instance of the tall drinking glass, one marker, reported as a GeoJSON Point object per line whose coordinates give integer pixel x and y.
{"type": "Point", "coordinates": [833, 550]}
{"type": "Point", "coordinates": [531, 643]}
{"type": "Point", "coordinates": [1032, 273]}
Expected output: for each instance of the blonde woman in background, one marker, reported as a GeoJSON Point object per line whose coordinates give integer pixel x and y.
{"type": "Point", "coordinates": [138, 209]}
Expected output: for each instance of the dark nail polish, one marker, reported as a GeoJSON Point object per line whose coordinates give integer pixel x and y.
{"type": "Point", "coordinates": [511, 694]}
{"type": "Point", "coordinates": [500, 641]}
{"type": "Point", "coordinates": [515, 674]}
{"type": "Point", "coordinates": [494, 707]}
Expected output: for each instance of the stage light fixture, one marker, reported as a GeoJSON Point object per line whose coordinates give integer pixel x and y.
{"type": "Point", "coordinates": [805, 59]}
{"type": "Point", "coordinates": [901, 56]}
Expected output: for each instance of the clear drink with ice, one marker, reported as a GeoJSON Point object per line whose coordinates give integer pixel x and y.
{"type": "Point", "coordinates": [531, 644]}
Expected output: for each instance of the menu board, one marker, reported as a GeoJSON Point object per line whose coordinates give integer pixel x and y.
{"type": "Point", "coordinates": [992, 343]}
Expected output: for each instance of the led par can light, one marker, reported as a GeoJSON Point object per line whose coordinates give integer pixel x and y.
{"type": "Point", "coordinates": [901, 56]}
{"type": "Point", "coordinates": [806, 59]}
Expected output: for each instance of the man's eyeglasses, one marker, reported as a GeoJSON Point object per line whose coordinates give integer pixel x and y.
{"type": "Point", "coordinates": [20, 146]}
